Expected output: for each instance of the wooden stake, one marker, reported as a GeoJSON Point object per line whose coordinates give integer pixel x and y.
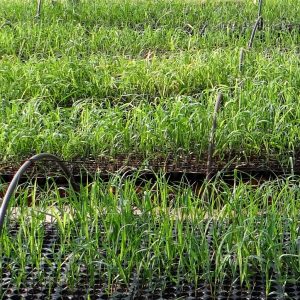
{"type": "Point", "coordinates": [39, 8]}
{"type": "Point", "coordinates": [250, 44]}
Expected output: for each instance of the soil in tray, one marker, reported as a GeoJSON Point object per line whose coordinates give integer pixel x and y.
{"type": "Point", "coordinates": [171, 164]}
{"type": "Point", "coordinates": [183, 290]}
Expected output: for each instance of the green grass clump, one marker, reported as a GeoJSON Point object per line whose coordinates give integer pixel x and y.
{"type": "Point", "coordinates": [67, 79]}
{"type": "Point", "coordinates": [42, 40]}
{"type": "Point", "coordinates": [83, 80]}
{"type": "Point", "coordinates": [170, 14]}
{"type": "Point", "coordinates": [250, 124]}
{"type": "Point", "coordinates": [120, 229]}
{"type": "Point", "coordinates": [115, 77]}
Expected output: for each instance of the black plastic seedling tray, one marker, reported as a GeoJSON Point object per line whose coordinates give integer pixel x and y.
{"type": "Point", "coordinates": [162, 289]}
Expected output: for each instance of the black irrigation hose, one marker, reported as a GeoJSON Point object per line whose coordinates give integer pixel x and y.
{"type": "Point", "coordinates": [12, 186]}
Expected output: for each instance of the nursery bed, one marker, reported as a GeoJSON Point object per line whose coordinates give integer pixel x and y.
{"type": "Point", "coordinates": [172, 165]}
{"type": "Point", "coordinates": [119, 239]}
{"type": "Point", "coordinates": [53, 287]}
{"type": "Point", "coordinates": [124, 92]}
